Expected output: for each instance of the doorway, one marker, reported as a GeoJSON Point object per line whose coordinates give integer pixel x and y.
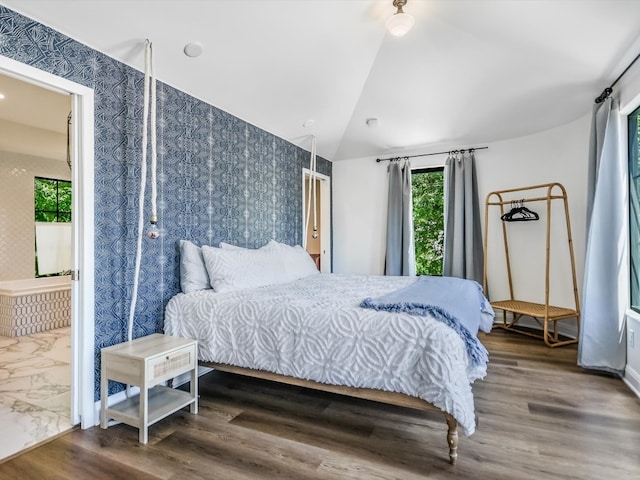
{"type": "Point", "coordinates": [81, 135]}
{"type": "Point", "coordinates": [319, 248]}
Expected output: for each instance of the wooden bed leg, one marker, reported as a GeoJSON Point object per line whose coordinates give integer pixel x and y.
{"type": "Point", "coordinates": [452, 438]}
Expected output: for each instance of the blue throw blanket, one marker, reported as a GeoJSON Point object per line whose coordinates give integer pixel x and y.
{"type": "Point", "coordinates": [456, 302]}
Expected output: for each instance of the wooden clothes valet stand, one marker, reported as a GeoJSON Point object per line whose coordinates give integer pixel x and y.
{"type": "Point", "coordinates": [543, 313]}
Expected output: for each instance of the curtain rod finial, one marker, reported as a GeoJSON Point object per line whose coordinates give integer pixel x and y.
{"type": "Point", "coordinates": [604, 95]}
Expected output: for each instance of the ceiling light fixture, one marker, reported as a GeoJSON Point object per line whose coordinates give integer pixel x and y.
{"type": "Point", "coordinates": [400, 23]}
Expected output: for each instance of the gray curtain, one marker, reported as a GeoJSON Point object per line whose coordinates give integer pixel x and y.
{"type": "Point", "coordinates": [463, 252]}
{"type": "Point", "coordinates": [602, 344]}
{"type": "Point", "coordinates": [400, 258]}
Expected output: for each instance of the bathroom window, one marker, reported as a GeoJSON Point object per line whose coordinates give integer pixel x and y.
{"type": "Point", "coordinates": [52, 206]}
{"type": "Point", "coordinates": [52, 200]}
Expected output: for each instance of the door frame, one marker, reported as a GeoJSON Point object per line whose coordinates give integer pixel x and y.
{"type": "Point", "coordinates": [325, 216]}
{"type": "Point", "coordinates": [82, 177]}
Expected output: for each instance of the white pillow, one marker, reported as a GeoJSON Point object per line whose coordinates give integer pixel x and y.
{"type": "Point", "coordinates": [301, 264]}
{"type": "Point", "coordinates": [229, 246]}
{"type": "Point", "coordinates": [193, 273]}
{"type": "Point", "coordinates": [238, 269]}
{"type": "Point", "coordinates": [297, 262]}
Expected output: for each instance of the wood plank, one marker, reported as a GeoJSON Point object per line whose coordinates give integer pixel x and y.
{"type": "Point", "coordinates": [238, 453]}
{"type": "Point", "coordinates": [61, 460]}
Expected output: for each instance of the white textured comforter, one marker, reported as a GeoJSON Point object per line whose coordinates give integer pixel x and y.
{"type": "Point", "coordinates": [314, 329]}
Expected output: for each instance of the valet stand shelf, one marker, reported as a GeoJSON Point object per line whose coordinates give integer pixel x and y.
{"type": "Point", "coordinates": [148, 362]}
{"type": "Point", "coordinates": [544, 314]}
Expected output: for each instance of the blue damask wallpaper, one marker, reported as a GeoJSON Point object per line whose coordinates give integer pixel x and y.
{"type": "Point", "coordinates": [220, 178]}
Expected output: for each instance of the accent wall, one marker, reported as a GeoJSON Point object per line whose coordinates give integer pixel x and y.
{"type": "Point", "coordinates": [219, 177]}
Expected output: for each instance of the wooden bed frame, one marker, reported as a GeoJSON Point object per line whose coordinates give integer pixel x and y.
{"type": "Point", "coordinates": [391, 398]}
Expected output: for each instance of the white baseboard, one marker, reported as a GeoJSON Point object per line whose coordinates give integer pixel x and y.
{"type": "Point", "coordinates": [632, 379]}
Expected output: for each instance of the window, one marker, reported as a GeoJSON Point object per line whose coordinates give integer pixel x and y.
{"type": "Point", "coordinates": [428, 219]}
{"type": "Point", "coordinates": [52, 208]}
{"type": "Point", "coordinates": [634, 206]}
{"type": "Point", "coordinates": [52, 200]}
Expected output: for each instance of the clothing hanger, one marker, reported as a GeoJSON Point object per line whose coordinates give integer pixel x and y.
{"type": "Point", "coordinates": [519, 213]}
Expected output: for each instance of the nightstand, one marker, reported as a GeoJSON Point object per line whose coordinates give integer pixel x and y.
{"type": "Point", "coordinates": [147, 362]}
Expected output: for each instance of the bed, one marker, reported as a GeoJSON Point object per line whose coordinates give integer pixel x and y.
{"type": "Point", "coordinates": [312, 331]}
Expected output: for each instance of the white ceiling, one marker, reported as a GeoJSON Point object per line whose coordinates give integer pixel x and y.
{"type": "Point", "coordinates": [33, 106]}
{"type": "Point", "coordinates": [470, 71]}
{"type": "Point", "coordinates": [33, 120]}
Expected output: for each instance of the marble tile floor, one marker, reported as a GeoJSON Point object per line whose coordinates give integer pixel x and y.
{"type": "Point", "coordinates": [35, 388]}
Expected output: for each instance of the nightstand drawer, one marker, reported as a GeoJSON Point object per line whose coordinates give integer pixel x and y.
{"type": "Point", "coordinates": [169, 365]}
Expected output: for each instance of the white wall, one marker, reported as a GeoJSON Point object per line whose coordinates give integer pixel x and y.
{"type": "Point", "coordinates": [28, 140]}
{"type": "Point", "coordinates": [557, 155]}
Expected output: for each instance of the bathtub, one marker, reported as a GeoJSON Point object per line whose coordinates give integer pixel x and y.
{"type": "Point", "coordinates": [34, 305]}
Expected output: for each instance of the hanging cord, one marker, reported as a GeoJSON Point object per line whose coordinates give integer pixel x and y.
{"type": "Point", "coordinates": [314, 234]}
{"type": "Point", "coordinates": [149, 91]}
{"type": "Point", "coordinates": [311, 192]}
{"type": "Point", "coordinates": [153, 232]}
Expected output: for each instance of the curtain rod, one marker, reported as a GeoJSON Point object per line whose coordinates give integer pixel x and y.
{"type": "Point", "coordinates": [470, 150]}
{"type": "Point", "coordinates": [609, 90]}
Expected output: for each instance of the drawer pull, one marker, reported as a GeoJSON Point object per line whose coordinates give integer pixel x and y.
{"type": "Point", "coordinates": [171, 363]}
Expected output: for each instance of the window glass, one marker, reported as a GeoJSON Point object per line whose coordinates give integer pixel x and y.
{"type": "Point", "coordinates": [52, 200]}
{"type": "Point", "coordinates": [428, 219]}
{"type": "Point", "coordinates": [634, 207]}
{"type": "Point", "coordinates": [52, 213]}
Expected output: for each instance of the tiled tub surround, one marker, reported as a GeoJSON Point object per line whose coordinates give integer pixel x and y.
{"type": "Point", "coordinates": [34, 305]}
{"type": "Point", "coordinates": [35, 393]}
{"type": "Point", "coordinates": [219, 178]}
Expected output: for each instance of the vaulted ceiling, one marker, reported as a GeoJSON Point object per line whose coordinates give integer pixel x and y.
{"type": "Point", "coordinates": [469, 71]}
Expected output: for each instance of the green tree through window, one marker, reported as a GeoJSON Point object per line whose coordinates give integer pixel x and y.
{"type": "Point", "coordinates": [428, 219]}
{"type": "Point", "coordinates": [52, 203]}
{"type": "Point", "coordinates": [52, 200]}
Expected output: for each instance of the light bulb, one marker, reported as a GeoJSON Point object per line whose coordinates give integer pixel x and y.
{"type": "Point", "coordinates": [400, 23]}
{"type": "Point", "coordinates": [153, 231]}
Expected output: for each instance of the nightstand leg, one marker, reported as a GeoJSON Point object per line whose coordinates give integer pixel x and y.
{"type": "Point", "coordinates": [104, 392]}
{"type": "Point", "coordinates": [194, 390]}
{"type": "Point", "coordinates": [144, 414]}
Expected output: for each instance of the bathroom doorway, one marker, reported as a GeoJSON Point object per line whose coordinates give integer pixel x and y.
{"type": "Point", "coordinates": [35, 264]}
{"type": "Point", "coordinates": [53, 354]}
{"type": "Point", "coordinates": [319, 247]}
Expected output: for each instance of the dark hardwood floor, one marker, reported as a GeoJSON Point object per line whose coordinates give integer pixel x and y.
{"type": "Point", "coordinates": [540, 417]}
